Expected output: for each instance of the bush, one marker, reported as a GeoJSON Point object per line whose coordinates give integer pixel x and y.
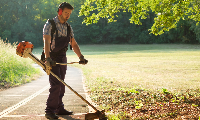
{"type": "Point", "coordinates": [14, 70]}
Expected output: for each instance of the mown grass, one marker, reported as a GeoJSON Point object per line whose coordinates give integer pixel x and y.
{"type": "Point", "coordinates": [126, 78]}
{"type": "Point", "coordinates": [173, 67]}
{"type": "Point", "coordinates": [14, 70]}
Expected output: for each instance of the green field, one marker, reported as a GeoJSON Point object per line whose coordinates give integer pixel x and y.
{"type": "Point", "coordinates": [174, 67]}
{"type": "Point", "coordinates": [159, 68]}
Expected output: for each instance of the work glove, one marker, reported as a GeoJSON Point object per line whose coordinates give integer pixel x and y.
{"type": "Point", "coordinates": [48, 64]}
{"type": "Point", "coordinates": [82, 60]}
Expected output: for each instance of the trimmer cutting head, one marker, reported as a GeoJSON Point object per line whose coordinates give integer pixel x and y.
{"type": "Point", "coordinates": [97, 115]}
{"type": "Point", "coordinates": [22, 46]}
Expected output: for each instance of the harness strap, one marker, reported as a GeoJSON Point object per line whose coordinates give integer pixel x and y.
{"type": "Point", "coordinates": [69, 34]}
{"type": "Point", "coordinates": [53, 31]}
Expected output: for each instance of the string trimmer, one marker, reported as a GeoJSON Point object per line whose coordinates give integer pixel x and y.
{"type": "Point", "coordinates": [24, 49]}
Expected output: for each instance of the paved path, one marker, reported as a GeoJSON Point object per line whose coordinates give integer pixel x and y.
{"type": "Point", "coordinates": [29, 100]}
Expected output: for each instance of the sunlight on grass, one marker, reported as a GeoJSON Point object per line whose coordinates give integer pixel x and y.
{"type": "Point", "coordinates": [174, 67]}
{"type": "Point", "coordinates": [14, 70]}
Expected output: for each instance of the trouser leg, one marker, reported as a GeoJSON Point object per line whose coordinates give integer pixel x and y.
{"type": "Point", "coordinates": [54, 91]}
{"type": "Point", "coordinates": [63, 69]}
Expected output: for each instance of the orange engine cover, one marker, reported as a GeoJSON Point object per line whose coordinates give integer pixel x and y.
{"type": "Point", "coordinates": [22, 46]}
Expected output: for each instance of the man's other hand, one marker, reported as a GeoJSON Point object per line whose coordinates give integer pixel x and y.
{"type": "Point", "coordinates": [82, 60]}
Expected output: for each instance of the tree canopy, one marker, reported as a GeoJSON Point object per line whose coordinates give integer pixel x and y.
{"type": "Point", "coordinates": [23, 20]}
{"type": "Point", "coordinates": [167, 12]}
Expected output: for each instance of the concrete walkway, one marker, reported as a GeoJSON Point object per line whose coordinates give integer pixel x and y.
{"type": "Point", "coordinates": [28, 101]}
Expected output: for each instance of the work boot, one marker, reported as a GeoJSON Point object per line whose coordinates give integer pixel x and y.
{"type": "Point", "coordinates": [51, 116]}
{"type": "Point", "coordinates": [64, 112]}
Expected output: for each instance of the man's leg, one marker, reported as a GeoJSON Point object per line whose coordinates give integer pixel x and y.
{"type": "Point", "coordinates": [54, 91]}
{"type": "Point", "coordinates": [63, 69]}
{"type": "Point", "coordinates": [60, 110]}
{"type": "Point", "coordinates": [62, 89]}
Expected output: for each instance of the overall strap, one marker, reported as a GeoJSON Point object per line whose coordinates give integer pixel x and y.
{"type": "Point", "coordinates": [69, 34]}
{"type": "Point", "coordinates": [53, 30]}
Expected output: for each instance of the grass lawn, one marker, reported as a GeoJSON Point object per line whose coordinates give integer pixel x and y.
{"type": "Point", "coordinates": [157, 68]}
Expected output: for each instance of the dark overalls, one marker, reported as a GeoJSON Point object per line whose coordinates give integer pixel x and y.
{"type": "Point", "coordinates": [57, 89]}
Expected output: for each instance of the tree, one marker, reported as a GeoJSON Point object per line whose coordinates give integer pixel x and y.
{"type": "Point", "coordinates": [23, 20]}
{"type": "Point", "coordinates": [168, 12]}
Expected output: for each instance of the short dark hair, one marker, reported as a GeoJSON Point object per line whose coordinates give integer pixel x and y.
{"type": "Point", "coordinates": [65, 5]}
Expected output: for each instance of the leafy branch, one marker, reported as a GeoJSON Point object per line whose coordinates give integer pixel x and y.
{"type": "Point", "coordinates": [167, 12]}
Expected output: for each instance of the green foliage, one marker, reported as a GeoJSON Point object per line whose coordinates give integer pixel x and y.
{"type": "Point", "coordinates": [23, 20]}
{"type": "Point", "coordinates": [196, 29]}
{"type": "Point", "coordinates": [138, 104]}
{"type": "Point", "coordinates": [14, 70]}
{"type": "Point", "coordinates": [6, 34]}
{"type": "Point", "coordinates": [165, 91]}
{"type": "Point", "coordinates": [133, 91]}
{"type": "Point", "coordinates": [168, 12]}
{"type": "Point", "coordinates": [113, 117]}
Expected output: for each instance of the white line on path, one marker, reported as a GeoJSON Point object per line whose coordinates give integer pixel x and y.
{"type": "Point", "coordinates": [16, 116]}
{"type": "Point", "coordinates": [14, 107]}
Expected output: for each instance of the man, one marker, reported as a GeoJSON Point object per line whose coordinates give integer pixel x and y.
{"type": "Point", "coordinates": [57, 33]}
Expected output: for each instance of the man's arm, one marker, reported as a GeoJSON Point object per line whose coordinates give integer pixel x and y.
{"type": "Point", "coordinates": [78, 52]}
{"type": "Point", "coordinates": [47, 41]}
{"type": "Point", "coordinates": [75, 47]}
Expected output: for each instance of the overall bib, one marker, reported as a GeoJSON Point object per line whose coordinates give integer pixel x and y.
{"type": "Point", "coordinates": [57, 89]}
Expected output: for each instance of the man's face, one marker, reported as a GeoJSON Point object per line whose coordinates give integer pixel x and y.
{"type": "Point", "coordinates": [66, 13]}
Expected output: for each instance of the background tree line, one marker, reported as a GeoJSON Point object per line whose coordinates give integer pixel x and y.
{"type": "Point", "coordinates": [23, 20]}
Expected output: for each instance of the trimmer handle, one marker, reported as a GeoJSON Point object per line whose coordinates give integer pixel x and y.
{"type": "Point", "coordinates": [82, 62]}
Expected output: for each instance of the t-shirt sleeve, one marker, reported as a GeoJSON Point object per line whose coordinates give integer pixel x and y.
{"type": "Point", "coordinates": [47, 28]}
{"type": "Point", "coordinates": [72, 32]}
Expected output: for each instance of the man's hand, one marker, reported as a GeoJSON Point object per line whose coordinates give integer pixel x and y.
{"type": "Point", "coordinates": [49, 63]}
{"type": "Point", "coordinates": [82, 60]}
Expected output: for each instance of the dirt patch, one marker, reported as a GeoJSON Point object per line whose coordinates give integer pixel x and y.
{"type": "Point", "coordinates": [149, 105]}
